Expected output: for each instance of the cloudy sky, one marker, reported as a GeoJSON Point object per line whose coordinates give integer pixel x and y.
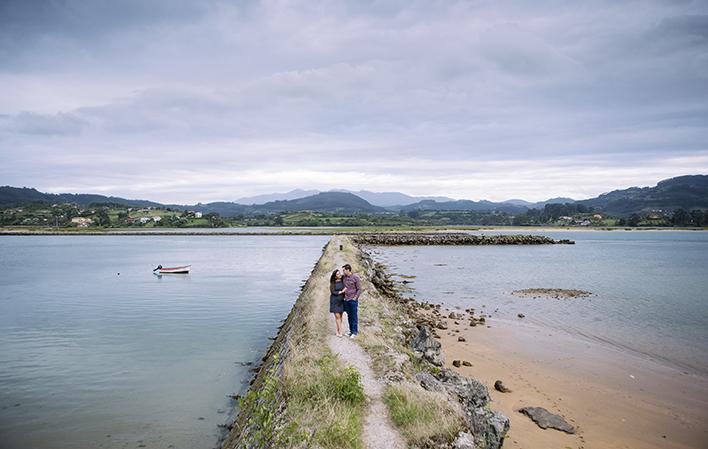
{"type": "Point", "coordinates": [185, 101]}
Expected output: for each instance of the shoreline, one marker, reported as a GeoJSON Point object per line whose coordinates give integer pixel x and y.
{"type": "Point", "coordinates": [615, 399]}
{"type": "Point", "coordinates": [326, 230]}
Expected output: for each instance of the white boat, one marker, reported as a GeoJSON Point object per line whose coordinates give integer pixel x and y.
{"type": "Point", "coordinates": [184, 269]}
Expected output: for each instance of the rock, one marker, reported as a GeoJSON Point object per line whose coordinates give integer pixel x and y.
{"type": "Point", "coordinates": [464, 440]}
{"type": "Point", "coordinates": [470, 392]}
{"type": "Point", "coordinates": [442, 325]}
{"type": "Point", "coordinates": [429, 382]}
{"type": "Point", "coordinates": [490, 428]}
{"type": "Point", "coordinates": [521, 315]}
{"type": "Point", "coordinates": [452, 315]}
{"type": "Point", "coordinates": [473, 323]}
{"type": "Point", "coordinates": [466, 363]}
{"type": "Point", "coordinates": [461, 339]}
{"type": "Point", "coordinates": [499, 386]}
{"type": "Point", "coordinates": [545, 419]}
{"type": "Point", "coordinates": [481, 319]}
{"type": "Point", "coordinates": [426, 347]}
{"type": "Point", "coordinates": [456, 363]}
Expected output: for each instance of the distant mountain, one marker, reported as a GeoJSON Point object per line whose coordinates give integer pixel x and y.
{"type": "Point", "coordinates": [267, 198]}
{"type": "Point", "coordinates": [333, 202]}
{"type": "Point", "coordinates": [389, 199]}
{"type": "Point", "coordinates": [383, 199]}
{"type": "Point", "coordinates": [540, 204]}
{"type": "Point", "coordinates": [323, 202]}
{"type": "Point", "coordinates": [16, 196]}
{"type": "Point", "coordinates": [559, 200]}
{"type": "Point", "coordinates": [465, 205]}
{"type": "Point", "coordinates": [687, 192]}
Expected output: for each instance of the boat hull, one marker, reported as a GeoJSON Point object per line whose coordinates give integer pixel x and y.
{"type": "Point", "coordinates": [174, 270]}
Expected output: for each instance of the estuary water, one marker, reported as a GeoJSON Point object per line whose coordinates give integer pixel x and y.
{"type": "Point", "coordinates": [97, 352]}
{"type": "Point", "coordinates": [650, 289]}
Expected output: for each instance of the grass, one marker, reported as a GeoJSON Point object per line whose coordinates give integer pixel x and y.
{"type": "Point", "coordinates": [328, 399]}
{"type": "Point", "coordinates": [422, 415]}
{"type": "Point", "coordinates": [324, 398]}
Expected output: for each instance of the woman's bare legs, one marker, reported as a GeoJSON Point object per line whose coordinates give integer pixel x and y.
{"type": "Point", "coordinates": [338, 323]}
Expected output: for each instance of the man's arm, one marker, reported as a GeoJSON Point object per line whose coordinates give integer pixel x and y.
{"type": "Point", "coordinates": [357, 284]}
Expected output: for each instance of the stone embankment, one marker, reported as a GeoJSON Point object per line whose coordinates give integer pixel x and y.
{"type": "Point", "coordinates": [454, 239]}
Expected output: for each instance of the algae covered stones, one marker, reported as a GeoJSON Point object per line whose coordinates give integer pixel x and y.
{"type": "Point", "coordinates": [555, 293]}
{"type": "Point", "coordinates": [545, 419]}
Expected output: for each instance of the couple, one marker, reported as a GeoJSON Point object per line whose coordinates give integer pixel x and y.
{"type": "Point", "coordinates": [345, 288]}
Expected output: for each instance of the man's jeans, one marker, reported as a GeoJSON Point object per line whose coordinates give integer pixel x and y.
{"type": "Point", "coordinates": [352, 309]}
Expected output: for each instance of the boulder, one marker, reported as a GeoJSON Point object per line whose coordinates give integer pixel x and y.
{"type": "Point", "coordinates": [489, 427]}
{"type": "Point", "coordinates": [461, 339]}
{"type": "Point", "coordinates": [499, 386]}
{"type": "Point", "coordinates": [545, 419]}
{"type": "Point", "coordinates": [456, 363]}
{"type": "Point", "coordinates": [426, 347]}
{"type": "Point", "coordinates": [470, 392]}
{"type": "Point", "coordinates": [464, 440]}
{"type": "Point", "coordinates": [429, 382]}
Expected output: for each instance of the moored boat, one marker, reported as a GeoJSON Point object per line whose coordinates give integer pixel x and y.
{"type": "Point", "coordinates": [184, 269]}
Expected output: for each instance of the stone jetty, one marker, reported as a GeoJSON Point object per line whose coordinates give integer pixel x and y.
{"type": "Point", "coordinates": [453, 238]}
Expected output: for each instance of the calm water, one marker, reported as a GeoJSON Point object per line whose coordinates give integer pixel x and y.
{"type": "Point", "coordinates": [650, 288]}
{"type": "Point", "coordinates": [90, 358]}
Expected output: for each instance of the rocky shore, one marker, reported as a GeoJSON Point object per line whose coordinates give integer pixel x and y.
{"type": "Point", "coordinates": [390, 239]}
{"type": "Point", "coordinates": [484, 428]}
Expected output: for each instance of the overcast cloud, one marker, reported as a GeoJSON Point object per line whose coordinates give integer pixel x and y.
{"type": "Point", "coordinates": [180, 101]}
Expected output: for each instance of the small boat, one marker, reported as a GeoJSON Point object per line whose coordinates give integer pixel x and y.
{"type": "Point", "coordinates": [184, 269]}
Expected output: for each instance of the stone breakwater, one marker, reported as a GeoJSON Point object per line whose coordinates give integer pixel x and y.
{"type": "Point", "coordinates": [241, 432]}
{"type": "Point", "coordinates": [392, 239]}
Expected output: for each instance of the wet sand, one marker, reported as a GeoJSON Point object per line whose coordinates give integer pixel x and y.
{"type": "Point", "coordinates": [616, 400]}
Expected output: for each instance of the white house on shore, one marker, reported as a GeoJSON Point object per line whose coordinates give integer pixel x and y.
{"type": "Point", "coordinates": [82, 222]}
{"type": "Point", "coordinates": [197, 215]}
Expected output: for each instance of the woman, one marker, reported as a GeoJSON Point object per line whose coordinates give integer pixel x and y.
{"type": "Point", "coordinates": [336, 299]}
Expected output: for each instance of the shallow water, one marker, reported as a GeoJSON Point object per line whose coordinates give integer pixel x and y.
{"type": "Point", "coordinates": [650, 289]}
{"type": "Point", "coordinates": [97, 352]}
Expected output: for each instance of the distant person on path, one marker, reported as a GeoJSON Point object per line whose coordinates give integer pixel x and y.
{"type": "Point", "coordinates": [336, 299]}
{"type": "Point", "coordinates": [352, 291]}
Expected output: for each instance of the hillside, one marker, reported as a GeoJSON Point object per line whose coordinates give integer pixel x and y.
{"type": "Point", "coordinates": [322, 202]}
{"type": "Point", "coordinates": [686, 192]}
{"type": "Point", "coordinates": [464, 205]}
{"type": "Point", "coordinates": [16, 196]}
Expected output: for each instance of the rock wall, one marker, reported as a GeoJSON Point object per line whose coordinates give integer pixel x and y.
{"type": "Point", "coordinates": [240, 435]}
{"type": "Point", "coordinates": [454, 239]}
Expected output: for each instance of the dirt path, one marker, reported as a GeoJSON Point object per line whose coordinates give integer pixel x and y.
{"type": "Point", "coordinates": [378, 429]}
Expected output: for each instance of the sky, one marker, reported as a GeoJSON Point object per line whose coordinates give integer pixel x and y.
{"type": "Point", "coordinates": [187, 101]}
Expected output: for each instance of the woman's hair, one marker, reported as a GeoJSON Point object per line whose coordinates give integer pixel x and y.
{"type": "Point", "coordinates": [333, 280]}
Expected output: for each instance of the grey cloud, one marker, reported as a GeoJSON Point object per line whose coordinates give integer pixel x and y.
{"type": "Point", "coordinates": [249, 85]}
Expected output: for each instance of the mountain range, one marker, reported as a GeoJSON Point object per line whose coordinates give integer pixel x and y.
{"type": "Point", "coordinates": [383, 199]}
{"type": "Point", "coordinates": [687, 192]}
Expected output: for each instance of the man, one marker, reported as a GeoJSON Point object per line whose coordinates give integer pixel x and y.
{"type": "Point", "coordinates": [352, 291]}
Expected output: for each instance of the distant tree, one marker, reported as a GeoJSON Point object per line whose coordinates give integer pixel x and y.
{"type": "Point", "coordinates": [413, 214]}
{"type": "Point", "coordinates": [102, 218]}
{"type": "Point", "coordinates": [680, 217]}
{"type": "Point", "coordinates": [634, 220]}
{"type": "Point", "coordinates": [698, 217]}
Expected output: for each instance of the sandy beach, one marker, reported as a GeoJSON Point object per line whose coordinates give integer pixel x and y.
{"type": "Point", "coordinates": [614, 399]}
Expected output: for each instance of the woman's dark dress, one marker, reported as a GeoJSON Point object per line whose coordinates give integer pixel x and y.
{"type": "Point", "coordinates": [336, 302]}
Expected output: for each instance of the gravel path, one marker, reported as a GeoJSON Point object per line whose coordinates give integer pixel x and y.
{"type": "Point", "coordinates": [379, 432]}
